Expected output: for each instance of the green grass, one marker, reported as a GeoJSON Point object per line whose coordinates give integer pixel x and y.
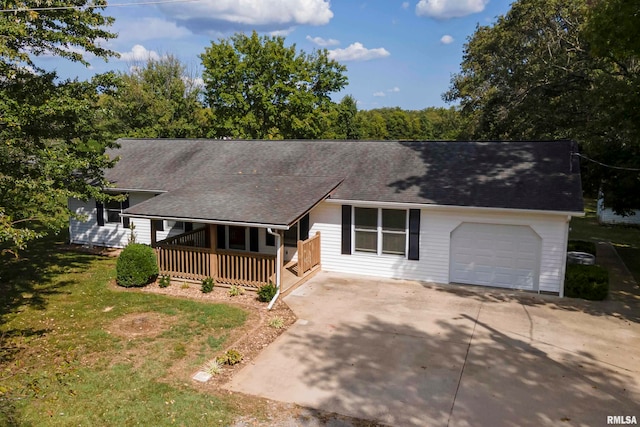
{"type": "Point", "coordinates": [626, 239]}
{"type": "Point", "coordinates": [60, 365]}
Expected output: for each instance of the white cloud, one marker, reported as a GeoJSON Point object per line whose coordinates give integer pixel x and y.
{"type": "Point", "coordinates": [380, 94]}
{"type": "Point", "coordinates": [266, 15]}
{"type": "Point", "coordinates": [446, 39]}
{"type": "Point", "coordinates": [405, 5]}
{"type": "Point", "coordinates": [394, 89]}
{"type": "Point", "coordinates": [139, 53]}
{"type": "Point", "coordinates": [282, 33]}
{"type": "Point", "coordinates": [150, 29]}
{"type": "Point", "coordinates": [446, 9]}
{"type": "Point", "coordinates": [323, 42]}
{"type": "Point", "coordinates": [357, 52]}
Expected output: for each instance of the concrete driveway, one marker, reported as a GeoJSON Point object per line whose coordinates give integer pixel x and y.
{"type": "Point", "coordinates": [406, 353]}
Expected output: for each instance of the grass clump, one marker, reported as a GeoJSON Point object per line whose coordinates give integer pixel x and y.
{"type": "Point", "coordinates": [207, 285]}
{"type": "Point", "coordinates": [213, 367]}
{"type": "Point", "coordinates": [589, 282]}
{"type": "Point", "coordinates": [136, 266]}
{"type": "Point", "coordinates": [276, 322]}
{"type": "Point", "coordinates": [235, 291]}
{"type": "Point", "coordinates": [267, 292]}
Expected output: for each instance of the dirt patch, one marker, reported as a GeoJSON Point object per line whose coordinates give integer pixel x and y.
{"type": "Point", "coordinates": [139, 325]}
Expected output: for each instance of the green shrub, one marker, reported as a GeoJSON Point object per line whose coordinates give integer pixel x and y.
{"type": "Point", "coordinates": [136, 266]}
{"type": "Point", "coordinates": [581, 246]}
{"type": "Point", "coordinates": [230, 357]}
{"type": "Point", "coordinates": [207, 285]}
{"type": "Point", "coordinates": [164, 281]}
{"type": "Point", "coordinates": [586, 281]}
{"type": "Point", "coordinates": [234, 291]}
{"type": "Point", "coordinates": [267, 292]}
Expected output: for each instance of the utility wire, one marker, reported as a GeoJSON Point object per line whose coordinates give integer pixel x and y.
{"type": "Point", "coordinates": [89, 6]}
{"type": "Point", "coordinates": [606, 165]}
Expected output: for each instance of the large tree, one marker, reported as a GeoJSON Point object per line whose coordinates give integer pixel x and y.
{"type": "Point", "coordinates": [535, 75]}
{"type": "Point", "coordinates": [49, 148]}
{"type": "Point", "coordinates": [259, 88]}
{"type": "Point", "coordinates": [156, 99]}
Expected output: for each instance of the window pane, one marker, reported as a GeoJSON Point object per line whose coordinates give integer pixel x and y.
{"type": "Point", "coordinates": [113, 205]}
{"type": "Point", "coordinates": [366, 218]}
{"type": "Point", "coordinates": [367, 241]}
{"type": "Point", "coordinates": [393, 243]}
{"type": "Point", "coordinates": [237, 238]}
{"type": "Point", "coordinates": [177, 225]}
{"type": "Point", "coordinates": [291, 236]}
{"type": "Point", "coordinates": [394, 219]}
{"type": "Point", "coordinates": [113, 216]}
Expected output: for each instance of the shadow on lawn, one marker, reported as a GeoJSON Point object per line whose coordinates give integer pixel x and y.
{"type": "Point", "coordinates": [401, 375]}
{"type": "Point", "coordinates": [28, 282]}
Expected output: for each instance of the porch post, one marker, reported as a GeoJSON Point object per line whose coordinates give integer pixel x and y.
{"type": "Point", "coordinates": [301, 266]}
{"type": "Point", "coordinates": [153, 233]}
{"type": "Point", "coordinates": [212, 231]}
{"type": "Point", "coordinates": [280, 265]}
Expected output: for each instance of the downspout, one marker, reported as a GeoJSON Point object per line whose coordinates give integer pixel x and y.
{"type": "Point", "coordinates": [278, 272]}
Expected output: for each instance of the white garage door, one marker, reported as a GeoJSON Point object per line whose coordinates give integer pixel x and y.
{"type": "Point", "coordinates": [495, 255]}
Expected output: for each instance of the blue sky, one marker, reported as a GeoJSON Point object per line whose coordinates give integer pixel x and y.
{"type": "Point", "coordinates": [398, 53]}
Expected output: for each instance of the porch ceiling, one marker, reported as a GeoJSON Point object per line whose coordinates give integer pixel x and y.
{"type": "Point", "coordinates": [258, 199]}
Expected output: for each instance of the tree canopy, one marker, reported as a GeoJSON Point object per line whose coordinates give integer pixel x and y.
{"type": "Point", "coordinates": [259, 88]}
{"type": "Point", "coordinates": [156, 99]}
{"type": "Point", "coordinates": [535, 74]}
{"type": "Point", "coordinates": [50, 148]}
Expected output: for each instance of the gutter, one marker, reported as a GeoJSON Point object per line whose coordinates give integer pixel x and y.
{"type": "Point", "coordinates": [278, 269]}
{"type": "Point", "coordinates": [367, 203]}
{"type": "Point", "coordinates": [206, 221]}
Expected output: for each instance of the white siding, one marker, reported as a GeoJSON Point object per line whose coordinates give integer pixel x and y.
{"type": "Point", "coordinates": [436, 226]}
{"type": "Point", "coordinates": [113, 235]}
{"type": "Point", "coordinates": [607, 216]}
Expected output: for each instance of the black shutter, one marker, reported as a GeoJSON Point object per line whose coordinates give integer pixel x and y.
{"type": "Point", "coordinates": [270, 239]}
{"type": "Point", "coordinates": [100, 213]}
{"type": "Point", "coordinates": [188, 226]}
{"type": "Point", "coordinates": [253, 240]}
{"type": "Point", "coordinates": [125, 221]}
{"type": "Point", "coordinates": [346, 229]}
{"type": "Point", "coordinates": [304, 227]}
{"type": "Point", "coordinates": [159, 224]}
{"type": "Point", "coordinates": [221, 238]}
{"type": "Point", "coordinates": [414, 234]}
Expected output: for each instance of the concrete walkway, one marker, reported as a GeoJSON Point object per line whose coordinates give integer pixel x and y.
{"type": "Point", "coordinates": [408, 353]}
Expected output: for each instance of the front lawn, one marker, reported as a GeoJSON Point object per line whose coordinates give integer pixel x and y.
{"type": "Point", "coordinates": [75, 351]}
{"type": "Point", "coordinates": [625, 239]}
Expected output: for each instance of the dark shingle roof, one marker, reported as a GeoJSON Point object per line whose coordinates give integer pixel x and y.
{"type": "Point", "coordinates": [533, 175]}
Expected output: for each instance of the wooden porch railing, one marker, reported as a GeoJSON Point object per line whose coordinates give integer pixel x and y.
{"type": "Point", "coordinates": [246, 269]}
{"type": "Point", "coordinates": [196, 238]}
{"type": "Point", "coordinates": [184, 262]}
{"type": "Point", "coordinates": [308, 254]}
{"type": "Point", "coordinates": [233, 268]}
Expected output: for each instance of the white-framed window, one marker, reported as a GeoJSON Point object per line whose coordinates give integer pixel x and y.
{"type": "Point", "coordinates": [113, 210]}
{"type": "Point", "coordinates": [380, 231]}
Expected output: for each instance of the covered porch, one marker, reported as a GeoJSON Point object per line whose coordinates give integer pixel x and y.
{"type": "Point", "coordinates": [194, 255]}
{"type": "Point", "coordinates": [239, 229]}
